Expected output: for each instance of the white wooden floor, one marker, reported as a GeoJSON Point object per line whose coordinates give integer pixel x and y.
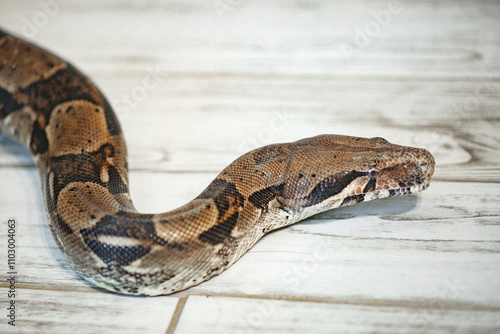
{"type": "Point", "coordinates": [226, 76]}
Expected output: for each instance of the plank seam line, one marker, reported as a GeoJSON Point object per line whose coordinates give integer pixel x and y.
{"type": "Point", "coordinates": [183, 295]}
{"type": "Point", "coordinates": [366, 302]}
{"type": "Point", "coordinates": [177, 314]}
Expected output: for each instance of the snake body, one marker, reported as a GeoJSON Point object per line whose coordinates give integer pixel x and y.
{"type": "Point", "coordinates": [77, 144]}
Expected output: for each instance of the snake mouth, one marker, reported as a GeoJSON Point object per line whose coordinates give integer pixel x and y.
{"type": "Point", "coordinates": [405, 178]}
{"type": "Point", "coordinates": [403, 189]}
{"type": "Point", "coordinates": [412, 174]}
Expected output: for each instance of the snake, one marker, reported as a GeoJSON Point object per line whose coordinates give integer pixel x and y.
{"type": "Point", "coordinates": [78, 147]}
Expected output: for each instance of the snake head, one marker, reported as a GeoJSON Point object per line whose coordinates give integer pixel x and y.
{"type": "Point", "coordinates": [330, 171]}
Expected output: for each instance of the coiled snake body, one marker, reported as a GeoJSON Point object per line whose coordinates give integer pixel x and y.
{"type": "Point", "coordinates": [78, 147]}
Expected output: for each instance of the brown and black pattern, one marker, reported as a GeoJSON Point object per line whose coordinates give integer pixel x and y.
{"type": "Point", "coordinates": [86, 167]}
{"type": "Point", "coordinates": [67, 84]}
{"type": "Point", "coordinates": [263, 197]}
{"type": "Point", "coordinates": [75, 139]}
{"type": "Point", "coordinates": [229, 202]}
{"type": "Point", "coordinates": [331, 186]}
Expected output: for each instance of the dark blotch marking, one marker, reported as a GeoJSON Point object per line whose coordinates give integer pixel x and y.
{"type": "Point", "coordinates": [224, 194]}
{"type": "Point", "coordinates": [262, 197]}
{"type": "Point", "coordinates": [66, 85]}
{"type": "Point", "coordinates": [109, 225]}
{"type": "Point", "coordinates": [135, 225]}
{"type": "Point", "coordinates": [220, 232]}
{"type": "Point", "coordinates": [330, 186]}
{"type": "Point", "coordinates": [3, 34]}
{"type": "Point", "coordinates": [370, 186]}
{"type": "Point", "coordinates": [86, 167]}
{"type": "Point", "coordinates": [111, 255]}
{"type": "Point", "coordinates": [114, 255]}
{"type": "Point", "coordinates": [39, 143]}
{"type": "Point", "coordinates": [8, 103]}
{"type": "Point", "coordinates": [392, 192]}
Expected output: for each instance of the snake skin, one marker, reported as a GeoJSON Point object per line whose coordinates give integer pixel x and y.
{"type": "Point", "coordinates": [77, 144]}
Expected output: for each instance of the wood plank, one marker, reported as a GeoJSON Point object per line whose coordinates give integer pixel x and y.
{"type": "Point", "coordinates": [421, 39]}
{"type": "Point", "coordinates": [243, 315]}
{"type": "Point", "coordinates": [86, 312]}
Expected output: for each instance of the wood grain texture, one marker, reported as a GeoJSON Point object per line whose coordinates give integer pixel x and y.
{"type": "Point", "coordinates": [243, 315]}
{"type": "Point", "coordinates": [256, 73]}
{"type": "Point", "coordinates": [53, 311]}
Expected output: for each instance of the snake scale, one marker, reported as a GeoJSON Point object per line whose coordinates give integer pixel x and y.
{"type": "Point", "coordinates": [78, 146]}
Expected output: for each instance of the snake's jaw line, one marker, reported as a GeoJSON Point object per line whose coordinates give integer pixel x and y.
{"type": "Point", "coordinates": [77, 144]}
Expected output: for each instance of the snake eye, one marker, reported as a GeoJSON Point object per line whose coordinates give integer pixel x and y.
{"type": "Point", "coordinates": [372, 173]}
